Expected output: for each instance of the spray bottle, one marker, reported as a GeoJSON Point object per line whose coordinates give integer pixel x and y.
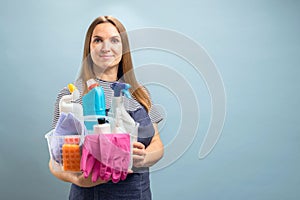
{"type": "Point", "coordinates": [67, 105]}
{"type": "Point", "coordinates": [122, 122]}
{"type": "Point", "coordinates": [93, 104]}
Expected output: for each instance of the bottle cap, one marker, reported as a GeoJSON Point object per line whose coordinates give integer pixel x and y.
{"type": "Point", "coordinates": [91, 83]}
{"type": "Point", "coordinates": [71, 87]}
{"type": "Point", "coordinates": [101, 120]}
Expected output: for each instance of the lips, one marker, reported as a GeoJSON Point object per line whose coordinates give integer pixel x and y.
{"type": "Point", "coordinates": [106, 56]}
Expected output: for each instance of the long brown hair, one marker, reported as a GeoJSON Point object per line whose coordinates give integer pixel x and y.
{"type": "Point", "coordinates": [125, 69]}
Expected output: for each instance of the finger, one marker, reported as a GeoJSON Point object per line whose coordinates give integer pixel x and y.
{"type": "Point", "coordinates": [138, 163]}
{"type": "Point", "coordinates": [96, 173]}
{"type": "Point", "coordinates": [140, 152]}
{"type": "Point", "coordinates": [102, 170]}
{"type": "Point", "coordinates": [84, 158]}
{"type": "Point", "coordinates": [138, 145]}
{"type": "Point", "coordinates": [89, 165]}
{"type": "Point", "coordinates": [137, 158]}
{"type": "Point", "coordinates": [116, 175]}
{"type": "Point", "coordinates": [108, 173]}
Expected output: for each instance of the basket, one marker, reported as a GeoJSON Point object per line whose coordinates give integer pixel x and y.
{"type": "Point", "coordinates": [65, 151]}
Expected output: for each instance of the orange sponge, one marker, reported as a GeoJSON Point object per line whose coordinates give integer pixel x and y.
{"type": "Point", "coordinates": [71, 140]}
{"type": "Point", "coordinates": [71, 157]}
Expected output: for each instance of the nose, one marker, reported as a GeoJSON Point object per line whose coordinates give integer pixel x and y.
{"type": "Point", "coordinates": [105, 47]}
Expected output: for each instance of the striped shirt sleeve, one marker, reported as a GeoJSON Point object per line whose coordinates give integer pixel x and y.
{"type": "Point", "coordinates": [63, 92]}
{"type": "Point", "coordinates": [155, 115]}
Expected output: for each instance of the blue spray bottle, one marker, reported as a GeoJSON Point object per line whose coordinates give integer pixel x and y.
{"type": "Point", "coordinates": [93, 104]}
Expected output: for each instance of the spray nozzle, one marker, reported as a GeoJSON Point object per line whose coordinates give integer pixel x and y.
{"type": "Point", "coordinates": [120, 88]}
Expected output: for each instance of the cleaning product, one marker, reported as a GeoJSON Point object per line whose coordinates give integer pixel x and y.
{"type": "Point", "coordinates": [67, 104]}
{"type": "Point", "coordinates": [93, 104]}
{"type": "Point", "coordinates": [94, 101]}
{"type": "Point", "coordinates": [106, 156]}
{"type": "Point", "coordinates": [122, 122]}
{"type": "Point", "coordinates": [71, 157]}
{"type": "Point", "coordinates": [67, 125]}
{"type": "Point", "coordinates": [102, 127]}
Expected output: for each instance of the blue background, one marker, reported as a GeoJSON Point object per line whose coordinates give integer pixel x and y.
{"type": "Point", "coordinates": [255, 45]}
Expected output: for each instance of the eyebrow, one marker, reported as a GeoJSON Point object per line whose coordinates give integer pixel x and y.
{"type": "Point", "coordinates": [97, 36]}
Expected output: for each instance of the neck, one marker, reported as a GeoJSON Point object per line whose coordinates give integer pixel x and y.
{"type": "Point", "coordinates": [106, 74]}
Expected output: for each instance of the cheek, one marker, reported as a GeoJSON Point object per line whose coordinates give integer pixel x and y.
{"type": "Point", "coordinates": [119, 56]}
{"type": "Point", "coordinates": [118, 51]}
{"type": "Point", "coordinates": [93, 48]}
{"type": "Point", "coordinates": [93, 53]}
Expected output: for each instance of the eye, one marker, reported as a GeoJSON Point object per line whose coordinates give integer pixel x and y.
{"type": "Point", "coordinates": [97, 40]}
{"type": "Point", "coordinates": [115, 40]}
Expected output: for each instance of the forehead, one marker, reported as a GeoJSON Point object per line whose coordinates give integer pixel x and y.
{"type": "Point", "coordinates": [105, 30]}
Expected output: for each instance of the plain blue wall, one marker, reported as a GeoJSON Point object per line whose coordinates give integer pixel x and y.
{"type": "Point", "coordinates": [255, 45]}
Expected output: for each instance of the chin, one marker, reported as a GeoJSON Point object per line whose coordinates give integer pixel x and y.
{"type": "Point", "coordinates": [105, 65]}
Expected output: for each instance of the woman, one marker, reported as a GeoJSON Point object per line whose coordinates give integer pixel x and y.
{"type": "Point", "coordinates": [107, 58]}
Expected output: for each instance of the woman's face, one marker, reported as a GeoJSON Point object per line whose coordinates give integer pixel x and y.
{"type": "Point", "coordinates": [106, 46]}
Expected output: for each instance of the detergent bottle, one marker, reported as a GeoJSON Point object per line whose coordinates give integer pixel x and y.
{"type": "Point", "coordinates": [67, 103]}
{"type": "Point", "coordinates": [93, 104]}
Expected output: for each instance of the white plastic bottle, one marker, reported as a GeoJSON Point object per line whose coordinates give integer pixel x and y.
{"type": "Point", "coordinates": [102, 127]}
{"type": "Point", "coordinates": [67, 105]}
{"type": "Point", "coordinates": [122, 123]}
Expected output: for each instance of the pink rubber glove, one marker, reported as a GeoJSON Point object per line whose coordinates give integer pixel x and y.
{"type": "Point", "coordinates": [115, 156]}
{"type": "Point", "coordinates": [90, 154]}
{"type": "Point", "coordinates": [106, 156]}
{"type": "Point", "coordinates": [122, 164]}
{"type": "Point", "coordinates": [96, 171]}
{"type": "Point", "coordinates": [105, 172]}
{"type": "Point", "coordinates": [87, 162]}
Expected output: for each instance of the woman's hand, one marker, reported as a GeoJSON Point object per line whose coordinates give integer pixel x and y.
{"type": "Point", "coordinates": [86, 182]}
{"type": "Point", "coordinates": [76, 178]}
{"type": "Point", "coordinates": [147, 157]}
{"type": "Point", "coordinates": [139, 154]}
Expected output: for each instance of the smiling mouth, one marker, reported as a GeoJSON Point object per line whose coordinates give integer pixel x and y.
{"type": "Point", "coordinates": [105, 56]}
